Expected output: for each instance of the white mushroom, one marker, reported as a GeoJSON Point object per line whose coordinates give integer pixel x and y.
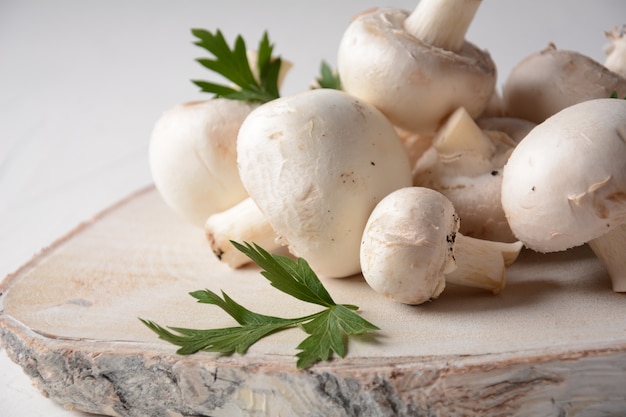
{"type": "Point", "coordinates": [316, 164]}
{"type": "Point", "coordinates": [417, 67]}
{"type": "Point", "coordinates": [411, 247]}
{"type": "Point", "coordinates": [193, 157]}
{"type": "Point", "coordinates": [408, 243]}
{"type": "Point", "coordinates": [465, 165]}
{"type": "Point", "coordinates": [193, 145]}
{"type": "Point", "coordinates": [548, 81]}
{"type": "Point", "coordinates": [565, 184]}
{"type": "Point", "coordinates": [616, 50]}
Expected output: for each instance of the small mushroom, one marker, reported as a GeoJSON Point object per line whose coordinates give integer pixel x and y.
{"type": "Point", "coordinates": [565, 184]}
{"type": "Point", "coordinates": [549, 81]}
{"type": "Point", "coordinates": [193, 157]}
{"type": "Point", "coordinates": [316, 164]}
{"type": "Point", "coordinates": [411, 247]}
{"type": "Point", "coordinates": [616, 50]}
{"type": "Point", "coordinates": [417, 67]}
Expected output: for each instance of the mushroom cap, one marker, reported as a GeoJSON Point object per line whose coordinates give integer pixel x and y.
{"type": "Point", "coordinates": [316, 164]}
{"type": "Point", "coordinates": [548, 81]}
{"type": "Point", "coordinates": [565, 183]}
{"type": "Point", "coordinates": [416, 85]}
{"type": "Point", "coordinates": [408, 245]}
{"type": "Point", "coordinates": [193, 158]}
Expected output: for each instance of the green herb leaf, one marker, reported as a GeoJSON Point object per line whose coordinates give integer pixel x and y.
{"type": "Point", "coordinates": [225, 340]}
{"type": "Point", "coordinates": [233, 65]}
{"type": "Point", "coordinates": [295, 278]}
{"type": "Point", "coordinates": [328, 78]}
{"type": "Point", "coordinates": [269, 68]}
{"type": "Point", "coordinates": [242, 315]}
{"type": "Point", "coordinates": [328, 329]}
{"type": "Point", "coordinates": [328, 332]}
{"type": "Point", "coordinates": [228, 340]}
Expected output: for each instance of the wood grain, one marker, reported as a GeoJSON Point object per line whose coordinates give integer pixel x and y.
{"type": "Point", "coordinates": [553, 343]}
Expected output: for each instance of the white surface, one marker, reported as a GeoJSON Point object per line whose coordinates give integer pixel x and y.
{"type": "Point", "coordinates": [82, 82]}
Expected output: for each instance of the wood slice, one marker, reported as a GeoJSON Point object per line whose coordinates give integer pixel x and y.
{"type": "Point", "coordinates": [553, 343]}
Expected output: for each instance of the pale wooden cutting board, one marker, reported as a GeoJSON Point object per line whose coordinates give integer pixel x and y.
{"type": "Point", "coordinates": [553, 343]}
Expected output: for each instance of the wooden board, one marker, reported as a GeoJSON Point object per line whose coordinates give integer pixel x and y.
{"type": "Point", "coordinates": [553, 343]}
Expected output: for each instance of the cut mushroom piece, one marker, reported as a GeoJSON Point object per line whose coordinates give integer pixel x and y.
{"type": "Point", "coordinates": [193, 157]}
{"type": "Point", "coordinates": [565, 183]}
{"type": "Point", "coordinates": [417, 67]}
{"type": "Point", "coordinates": [243, 222]}
{"type": "Point", "coordinates": [410, 244]}
{"type": "Point", "coordinates": [316, 164]}
{"type": "Point", "coordinates": [546, 82]}
{"type": "Point", "coordinates": [463, 148]}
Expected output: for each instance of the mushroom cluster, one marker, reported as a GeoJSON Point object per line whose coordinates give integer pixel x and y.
{"type": "Point", "coordinates": [412, 169]}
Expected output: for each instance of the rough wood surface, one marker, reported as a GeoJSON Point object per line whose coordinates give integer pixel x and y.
{"type": "Point", "coordinates": [553, 343]}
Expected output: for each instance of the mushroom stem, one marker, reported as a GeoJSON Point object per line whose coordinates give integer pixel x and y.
{"type": "Point", "coordinates": [442, 23]}
{"type": "Point", "coordinates": [461, 133]}
{"type": "Point", "coordinates": [243, 222]}
{"type": "Point", "coordinates": [616, 50]}
{"type": "Point", "coordinates": [482, 263]}
{"type": "Point", "coordinates": [609, 248]}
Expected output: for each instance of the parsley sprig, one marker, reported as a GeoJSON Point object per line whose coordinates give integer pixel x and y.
{"type": "Point", "coordinates": [328, 330]}
{"type": "Point", "coordinates": [233, 65]}
{"type": "Point", "coordinates": [328, 78]}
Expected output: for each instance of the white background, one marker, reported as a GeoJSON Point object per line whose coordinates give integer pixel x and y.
{"type": "Point", "coordinates": [83, 81]}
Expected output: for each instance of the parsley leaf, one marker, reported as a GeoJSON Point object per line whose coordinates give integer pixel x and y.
{"type": "Point", "coordinates": [328, 77]}
{"type": "Point", "coordinates": [225, 340]}
{"type": "Point", "coordinates": [328, 332]}
{"type": "Point", "coordinates": [233, 64]}
{"type": "Point", "coordinates": [328, 329]}
{"type": "Point", "coordinates": [295, 278]}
